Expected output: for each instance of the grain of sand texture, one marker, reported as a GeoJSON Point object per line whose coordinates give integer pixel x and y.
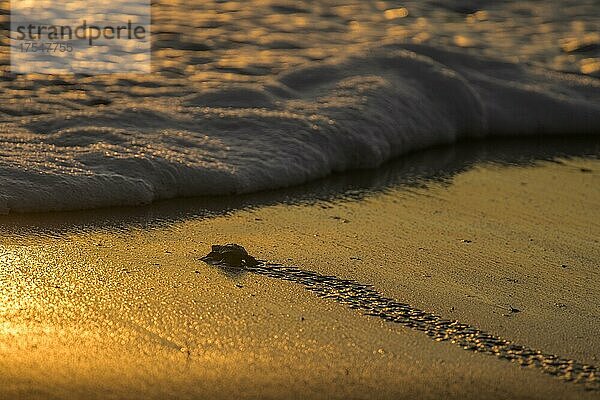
{"type": "Point", "coordinates": [128, 311]}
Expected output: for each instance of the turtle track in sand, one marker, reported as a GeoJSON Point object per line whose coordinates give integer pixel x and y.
{"type": "Point", "coordinates": [366, 299]}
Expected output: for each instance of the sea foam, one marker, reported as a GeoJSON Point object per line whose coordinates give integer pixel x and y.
{"type": "Point", "coordinates": [348, 113]}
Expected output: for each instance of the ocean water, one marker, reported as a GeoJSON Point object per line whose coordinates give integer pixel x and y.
{"type": "Point", "coordinates": [262, 94]}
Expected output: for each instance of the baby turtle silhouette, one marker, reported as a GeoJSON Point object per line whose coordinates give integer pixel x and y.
{"type": "Point", "coordinates": [229, 255]}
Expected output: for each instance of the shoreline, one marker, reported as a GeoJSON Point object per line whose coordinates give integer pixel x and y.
{"type": "Point", "coordinates": [433, 164]}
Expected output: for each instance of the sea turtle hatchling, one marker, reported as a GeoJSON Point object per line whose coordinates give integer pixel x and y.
{"type": "Point", "coordinates": [229, 255]}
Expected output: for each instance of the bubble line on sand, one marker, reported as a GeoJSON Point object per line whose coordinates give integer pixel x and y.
{"type": "Point", "coordinates": [366, 299]}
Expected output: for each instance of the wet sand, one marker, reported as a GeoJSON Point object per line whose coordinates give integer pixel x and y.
{"type": "Point", "coordinates": [128, 311]}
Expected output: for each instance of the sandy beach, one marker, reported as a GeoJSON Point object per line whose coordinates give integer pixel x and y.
{"type": "Point", "coordinates": [307, 199]}
{"type": "Point", "coordinates": [96, 308]}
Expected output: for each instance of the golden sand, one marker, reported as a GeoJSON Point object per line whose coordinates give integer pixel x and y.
{"type": "Point", "coordinates": [130, 311]}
